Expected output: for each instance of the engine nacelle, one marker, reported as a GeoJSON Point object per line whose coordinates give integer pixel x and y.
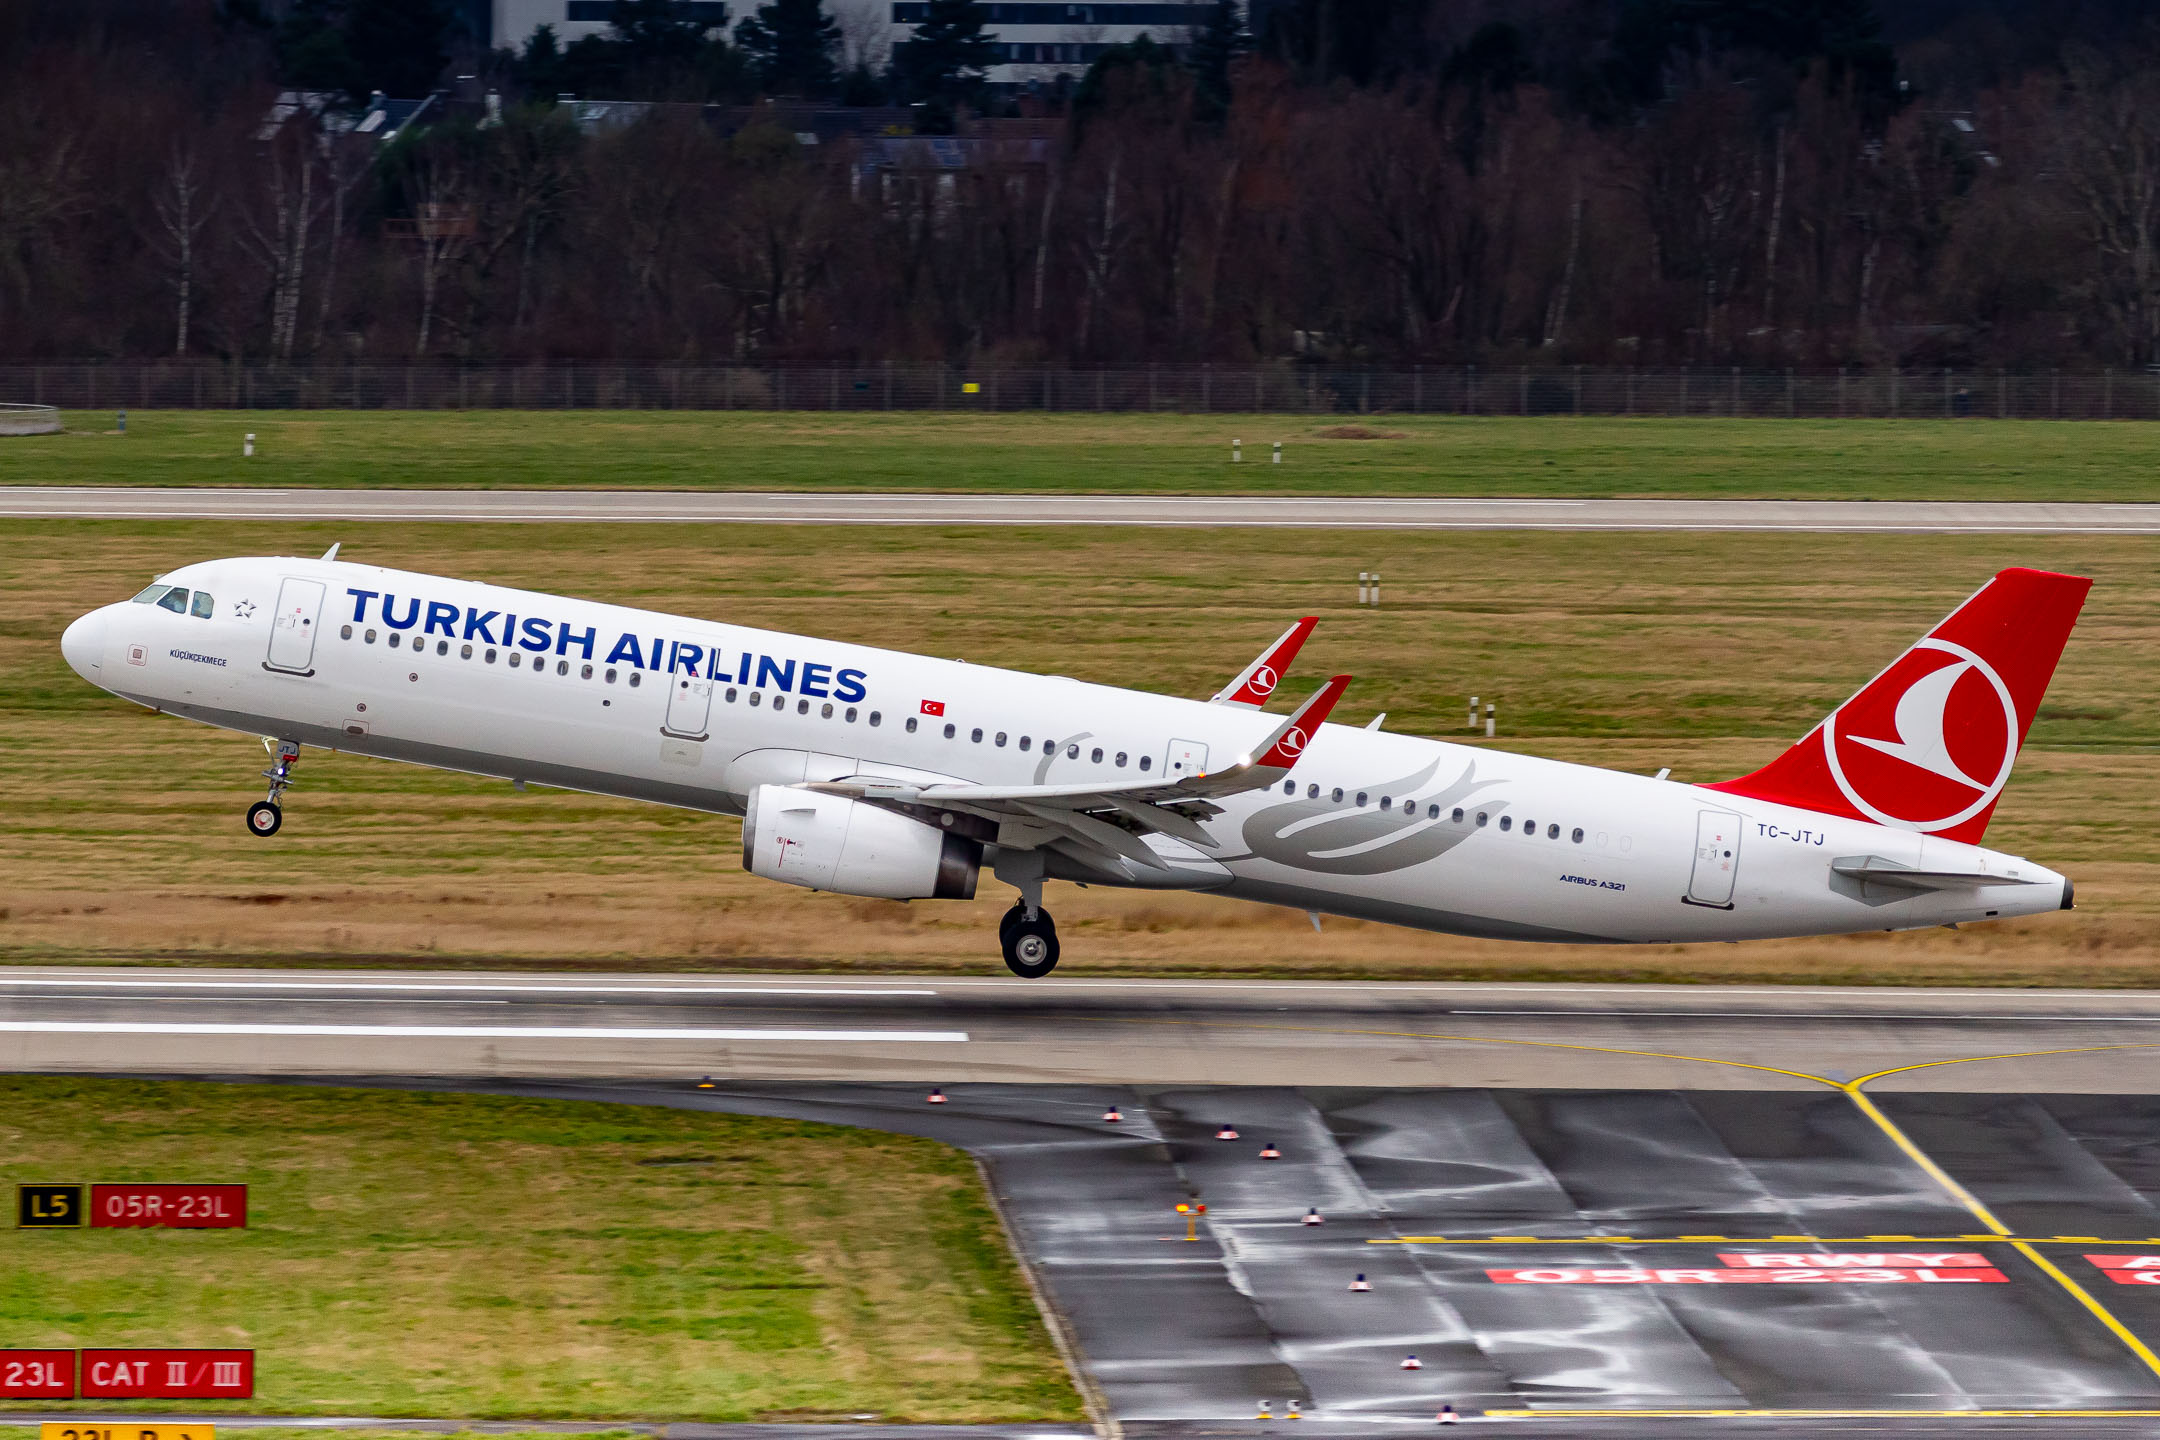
{"type": "Point", "coordinates": [829, 842]}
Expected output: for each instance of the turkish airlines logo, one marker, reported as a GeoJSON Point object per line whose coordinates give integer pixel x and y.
{"type": "Point", "coordinates": [1929, 744]}
{"type": "Point", "coordinates": [1292, 742]}
{"type": "Point", "coordinates": [1263, 680]}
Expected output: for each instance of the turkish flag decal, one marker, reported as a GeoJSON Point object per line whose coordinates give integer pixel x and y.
{"type": "Point", "coordinates": [933, 707]}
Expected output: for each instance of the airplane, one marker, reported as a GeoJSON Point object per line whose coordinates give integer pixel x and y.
{"type": "Point", "coordinates": [879, 773]}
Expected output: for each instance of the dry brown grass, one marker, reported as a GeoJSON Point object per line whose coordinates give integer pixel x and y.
{"type": "Point", "coordinates": [1706, 653]}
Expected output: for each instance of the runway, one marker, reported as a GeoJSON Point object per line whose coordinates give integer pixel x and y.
{"type": "Point", "coordinates": [1586, 1210]}
{"type": "Point", "coordinates": [1075, 1031]}
{"type": "Point", "coordinates": [1318, 512]}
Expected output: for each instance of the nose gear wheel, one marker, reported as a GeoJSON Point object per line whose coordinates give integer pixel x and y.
{"type": "Point", "coordinates": [265, 816]}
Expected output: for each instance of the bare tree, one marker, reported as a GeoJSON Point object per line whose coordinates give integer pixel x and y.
{"type": "Point", "coordinates": [442, 230]}
{"type": "Point", "coordinates": [183, 205]}
{"type": "Point", "coordinates": [2108, 150]}
{"type": "Point", "coordinates": [279, 230]}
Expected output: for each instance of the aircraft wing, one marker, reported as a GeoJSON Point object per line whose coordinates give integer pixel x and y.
{"type": "Point", "coordinates": [1258, 680]}
{"type": "Point", "coordinates": [1109, 819]}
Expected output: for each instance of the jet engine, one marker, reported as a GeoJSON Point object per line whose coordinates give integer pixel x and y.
{"type": "Point", "coordinates": [829, 842]}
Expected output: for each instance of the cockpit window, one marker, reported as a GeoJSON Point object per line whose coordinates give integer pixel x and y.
{"type": "Point", "coordinates": [203, 604]}
{"type": "Point", "coordinates": [174, 600]}
{"type": "Point", "coordinates": [151, 594]}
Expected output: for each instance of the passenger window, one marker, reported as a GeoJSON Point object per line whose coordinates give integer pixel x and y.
{"type": "Point", "coordinates": [825, 711]}
{"type": "Point", "coordinates": [1025, 742]}
{"type": "Point", "coordinates": [1577, 836]}
{"type": "Point", "coordinates": [950, 730]}
{"type": "Point", "coordinates": [976, 735]}
{"type": "Point", "coordinates": [1072, 752]}
{"type": "Point", "coordinates": [202, 606]}
{"type": "Point", "coordinates": [1552, 832]}
{"type": "Point", "coordinates": [1386, 802]}
{"type": "Point", "coordinates": [370, 638]}
{"type": "Point", "coordinates": [850, 714]}
{"type": "Point", "coordinates": [757, 698]}
{"type": "Point", "coordinates": [465, 653]}
{"type": "Point", "coordinates": [516, 658]}
{"type": "Point", "coordinates": [1146, 761]}
{"type": "Point", "coordinates": [585, 672]}
{"type": "Point", "coordinates": [610, 675]}
{"type": "Point", "coordinates": [732, 692]}
{"type": "Point", "coordinates": [1482, 817]}
{"type": "Point", "coordinates": [562, 667]}
{"type": "Point", "coordinates": [1457, 816]}
{"type": "Point", "coordinates": [635, 676]}
{"type": "Point", "coordinates": [877, 718]}
{"type": "Point", "coordinates": [1336, 795]}
{"type": "Point", "coordinates": [149, 595]}
{"type": "Point", "coordinates": [1507, 822]}
{"type": "Point", "coordinates": [911, 724]}
{"type": "Point", "coordinates": [1289, 787]}
{"type": "Point", "coordinates": [802, 707]}
{"type": "Point", "coordinates": [442, 647]}
{"type": "Point", "coordinates": [175, 600]}
{"type": "Point", "coordinates": [396, 639]}
{"type": "Point", "coordinates": [344, 632]}
{"type": "Point", "coordinates": [1312, 792]}
{"type": "Point", "coordinates": [1120, 760]}
{"type": "Point", "coordinates": [1095, 756]}
{"type": "Point", "coordinates": [1361, 799]}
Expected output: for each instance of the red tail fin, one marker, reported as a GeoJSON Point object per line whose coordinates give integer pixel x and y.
{"type": "Point", "coordinates": [1928, 744]}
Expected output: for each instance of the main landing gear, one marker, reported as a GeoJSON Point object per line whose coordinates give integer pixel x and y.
{"type": "Point", "coordinates": [265, 815]}
{"type": "Point", "coordinates": [1031, 943]}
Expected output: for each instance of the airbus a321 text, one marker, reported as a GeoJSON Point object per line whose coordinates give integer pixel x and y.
{"type": "Point", "coordinates": [880, 773]}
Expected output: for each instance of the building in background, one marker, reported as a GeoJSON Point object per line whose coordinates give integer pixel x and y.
{"type": "Point", "coordinates": [1039, 41]}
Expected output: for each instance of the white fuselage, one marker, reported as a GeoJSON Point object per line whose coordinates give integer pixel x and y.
{"type": "Point", "coordinates": [1379, 826]}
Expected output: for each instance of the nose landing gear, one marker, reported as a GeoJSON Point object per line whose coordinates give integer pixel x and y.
{"type": "Point", "coordinates": [266, 815]}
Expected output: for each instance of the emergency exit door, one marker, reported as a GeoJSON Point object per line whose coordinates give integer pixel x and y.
{"type": "Point", "coordinates": [1717, 859]}
{"type": "Point", "coordinates": [1185, 758]}
{"type": "Point", "coordinates": [689, 707]}
{"type": "Point", "coordinates": [292, 629]}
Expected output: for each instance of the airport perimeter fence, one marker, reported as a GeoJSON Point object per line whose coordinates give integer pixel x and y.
{"type": "Point", "coordinates": [1195, 389]}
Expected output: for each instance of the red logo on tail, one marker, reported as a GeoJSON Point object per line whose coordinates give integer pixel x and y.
{"type": "Point", "coordinates": [1928, 744]}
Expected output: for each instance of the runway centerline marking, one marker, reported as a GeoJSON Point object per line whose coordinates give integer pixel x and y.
{"type": "Point", "coordinates": [285, 1000]}
{"type": "Point", "coordinates": [450, 987]}
{"type": "Point", "coordinates": [477, 1032]}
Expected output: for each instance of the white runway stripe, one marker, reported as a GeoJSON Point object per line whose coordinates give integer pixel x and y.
{"type": "Point", "coordinates": [477, 1032]}
{"type": "Point", "coordinates": [165, 982]}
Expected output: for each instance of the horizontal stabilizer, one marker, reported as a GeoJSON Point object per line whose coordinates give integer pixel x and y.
{"type": "Point", "coordinates": [1875, 870]}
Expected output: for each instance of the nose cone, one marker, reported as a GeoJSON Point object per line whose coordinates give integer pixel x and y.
{"type": "Point", "coordinates": [83, 643]}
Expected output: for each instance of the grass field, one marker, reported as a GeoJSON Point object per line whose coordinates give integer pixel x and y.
{"type": "Point", "coordinates": [1396, 455]}
{"type": "Point", "coordinates": [485, 1257]}
{"type": "Point", "coordinates": [1707, 653]}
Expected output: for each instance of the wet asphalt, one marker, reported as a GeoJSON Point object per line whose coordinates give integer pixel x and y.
{"type": "Point", "coordinates": [1178, 1337]}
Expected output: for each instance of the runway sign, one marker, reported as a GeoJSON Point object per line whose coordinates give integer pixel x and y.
{"type": "Point", "coordinates": [151, 1431]}
{"type": "Point", "coordinates": [168, 1374]}
{"type": "Point", "coordinates": [37, 1374]}
{"type": "Point", "coordinates": [48, 1207]}
{"type": "Point", "coordinates": [2129, 1269]}
{"type": "Point", "coordinates": [174, 1207]}
{"type": "Point", "coordinates": [1888, 1275]}
{"type": "Point", "coordinates": [1843, 1260]}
